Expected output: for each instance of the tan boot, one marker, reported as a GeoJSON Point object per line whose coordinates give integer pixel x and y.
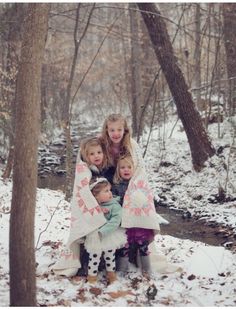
{"type": "Point", "coordinates": [111, 277]}
{"type": "Point", "coordinates": [92, 279]}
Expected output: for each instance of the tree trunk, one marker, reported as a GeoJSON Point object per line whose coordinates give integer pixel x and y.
{"type": "Point", "coordinates": [14, 17]}
{"type": "Point", "coordinates": [135, 73]}
{"type": "Point", "coordinates": [197, 53]}
{"type": "Point", "coordinates": [69, 101]}
{"type": "Point", "coordinates": [21, 246]}
{"type": "Point", "coordinates": [200, 145]}
{"type": "Point", "coordinates": [229, 13]}
{"type": "Point", "coordinates": [66, 114]}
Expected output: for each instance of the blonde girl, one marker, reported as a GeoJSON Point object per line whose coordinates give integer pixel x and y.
{"type": "Point", "coordinates": [92, 152]}
{"type": "Point", "coordinates": [117, 140]}
{"type": "Point", "coordinates": [138, 238]}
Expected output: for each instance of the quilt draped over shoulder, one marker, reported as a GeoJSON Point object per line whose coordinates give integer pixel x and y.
{"type": "Point", "coordinates": [86, 217]}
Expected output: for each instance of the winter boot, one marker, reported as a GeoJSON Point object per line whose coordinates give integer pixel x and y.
{"type": "Point", "coordinates": [111, 277]}
{"type": "Point", "coordinates": [123, 264]}
{"type": "Point", "coordinates": [92, 279]}
{"type": "Point", "coordinates": [145, 265]}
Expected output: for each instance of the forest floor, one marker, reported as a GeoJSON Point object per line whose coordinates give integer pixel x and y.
{"type": "Point", "coordinates": [208, 273]}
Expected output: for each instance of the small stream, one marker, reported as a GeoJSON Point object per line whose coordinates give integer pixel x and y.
{"type": "Point", "coordinates": [195, 229]}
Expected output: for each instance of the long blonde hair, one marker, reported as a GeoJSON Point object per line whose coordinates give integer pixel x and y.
{"type": "Point", "coordinates": [128, 159]}
{"type": "Point", "coordinates": [86, 144]}
{"type": "Point", "coordinates": [125, 147]}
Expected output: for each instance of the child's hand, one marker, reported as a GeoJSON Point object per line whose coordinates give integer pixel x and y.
{"type": "Point", "coordinates": [105, 210]}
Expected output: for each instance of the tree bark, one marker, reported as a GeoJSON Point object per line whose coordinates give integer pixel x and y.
{"type": "Point", "coordinates": [21, 247]}
{"type": "Point", "coordinates": [14, 16]}
{"type": "Point", "coordinates": [66, 114]}
{"type": "Point", "coordinates": [229, 13]}
{"type": "Point", "coordinates": [200, 145]}
{"type": "Point", "coordinates": [197, 53]}
{"type": "Point", "coordinates": [135, 82]}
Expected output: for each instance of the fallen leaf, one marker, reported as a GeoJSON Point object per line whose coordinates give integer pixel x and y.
{"type": "Point", "coordinates": [95, 291]}
{"type": "Point", "coordinates": [118, 294]}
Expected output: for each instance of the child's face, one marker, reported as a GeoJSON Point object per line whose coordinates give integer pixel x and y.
{"type": "Point", "coordinates": [115, 130]}
{"type": "Point", "coordinates": [126, 169]}
{"type": "Point", "coordinates": [95, 155]}
{"type": "Point", "coordinates": [104, 195]}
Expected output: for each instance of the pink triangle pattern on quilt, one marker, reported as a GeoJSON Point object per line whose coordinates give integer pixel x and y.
{"type": "Point", "coordinates": [138, 199]}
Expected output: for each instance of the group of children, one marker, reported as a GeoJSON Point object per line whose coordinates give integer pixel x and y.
{"type": "Point", "coordinates": [114, 159]}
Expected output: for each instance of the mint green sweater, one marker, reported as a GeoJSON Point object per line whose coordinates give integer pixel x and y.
{"type": "Point", "coordinates": [112, 212]}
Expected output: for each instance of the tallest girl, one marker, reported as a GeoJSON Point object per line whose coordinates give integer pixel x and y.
{"type": "Point", "coordinates": [116, 136]}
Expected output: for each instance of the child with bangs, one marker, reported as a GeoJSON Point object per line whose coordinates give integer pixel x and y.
{"type": "Point", "coordinates": [138, 238]}
{"type": "Point", "coordinates": [109, 236]}
{"type": "Point", "coordinates": [117, 140]}
{"type": "Point", "coordinates": [93, 153]}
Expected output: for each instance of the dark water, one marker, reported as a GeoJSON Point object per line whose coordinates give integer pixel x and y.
{"type": "Point", "coordinates": [195, 229]}
{"type": "Point", "coordinates": [53, 182]}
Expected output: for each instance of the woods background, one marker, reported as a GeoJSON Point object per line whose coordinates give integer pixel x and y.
{"type": "Point", "coordinates": [147, 61]}
{"type": "Point", "coordinates": [99, 59]}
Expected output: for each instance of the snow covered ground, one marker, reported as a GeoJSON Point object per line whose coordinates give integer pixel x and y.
{"type": "Point", "coordinates": [208, 275]}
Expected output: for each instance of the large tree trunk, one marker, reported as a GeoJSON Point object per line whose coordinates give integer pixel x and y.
{"type": "Point", "coordinates": [22, 251]}
{"type": "Point", "coordinates": [14, 17]}
{"type": "Point", "coordinates": [200, 145]}
{"type": "Point", "coordinates": [229, 13]}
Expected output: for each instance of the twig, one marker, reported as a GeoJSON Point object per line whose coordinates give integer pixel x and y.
{"type": "Point", "coordinates": [40, 234]}
{"type": "Point", "coordinates": [174, 127]}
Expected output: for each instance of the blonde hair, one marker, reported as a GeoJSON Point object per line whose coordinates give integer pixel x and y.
{"type": "Point", "coordinates": [126, 158]}
{"type": "Point", "coordinates": [92, 142]}
{"type": "Point", "coordinates": [99, 186]}
{"type": "Point", "coordinates": [125, 142]}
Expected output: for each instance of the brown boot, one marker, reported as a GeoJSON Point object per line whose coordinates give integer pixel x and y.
{"type": "Point", "coordinates": [92, 279]}
{"type": "Point", "coordinates": [111, 277]}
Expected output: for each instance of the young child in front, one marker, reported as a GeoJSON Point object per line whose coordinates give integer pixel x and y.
{"type": "Point", "coordinates": [111, 236]}
{"type": "Point", "coordinates": [138, 238]}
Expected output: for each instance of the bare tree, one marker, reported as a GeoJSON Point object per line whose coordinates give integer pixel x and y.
{"type": "Point", "coordinates": [69, 99]}
{"type": "Point", "coordinates": [14, 17]}
{"type": "Point", "coordinates": [200, 145]}
{"type": "Point", "coordinates": [135, 68]}
{"type": "Point", "coordinates": [22, 253]}
{"type": "Point", "coordinates": [229, 13]}
{"type": "Point", "coordinates": [197, 52]}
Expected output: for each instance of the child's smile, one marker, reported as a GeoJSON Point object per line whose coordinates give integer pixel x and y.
{"type": "Point", "coordinates": [115, 131]}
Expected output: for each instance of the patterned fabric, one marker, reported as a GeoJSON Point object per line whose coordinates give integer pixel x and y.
{"type": "Point", "coordinates": [94, 260]}
{"type": "Point", "coordinates": [86, 217]}
{"type": "Point", "coordinates": [138, 205]}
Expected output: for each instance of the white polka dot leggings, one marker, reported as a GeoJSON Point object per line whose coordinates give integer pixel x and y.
{"type": "Point", "coordinates": [94, 260]}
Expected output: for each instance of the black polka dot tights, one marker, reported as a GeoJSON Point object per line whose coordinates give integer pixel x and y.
{"type": "Point", "coordinates": [94, 259]}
